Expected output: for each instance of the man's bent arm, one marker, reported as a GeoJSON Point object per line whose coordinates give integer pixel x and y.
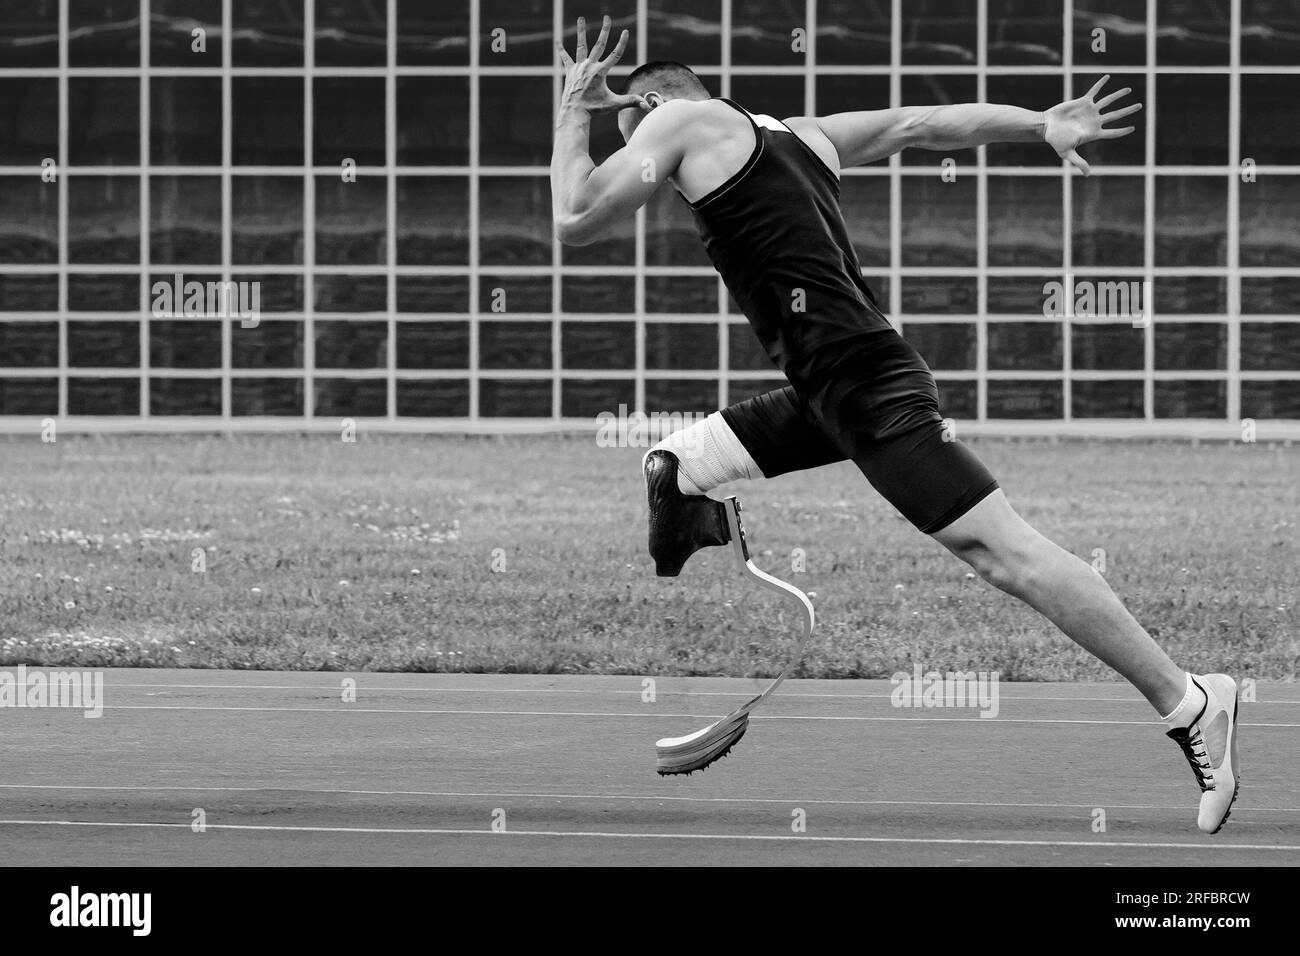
{"type": "Point", "coordinates": [588, 200]}
{"type": "Point", "coordinates": [571, 165]}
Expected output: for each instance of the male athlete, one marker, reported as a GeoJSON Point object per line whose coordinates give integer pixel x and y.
{"type": "Point", "coordinates": [764, 194]}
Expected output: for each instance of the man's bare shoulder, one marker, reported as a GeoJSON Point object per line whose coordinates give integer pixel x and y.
{"type": "Point", "coordinates": [809, 130]}
{"type": "Point", "coordinates": [717, 139]}
{"type": "Point", "coordinates": [690, 115]}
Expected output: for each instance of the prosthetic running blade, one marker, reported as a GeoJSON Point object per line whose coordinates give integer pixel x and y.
{"type": "Point", "coordinates": [676, 755]}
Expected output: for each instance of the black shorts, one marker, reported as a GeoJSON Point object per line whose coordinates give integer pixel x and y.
{"type": "Point", "coordinates": [874, 402]}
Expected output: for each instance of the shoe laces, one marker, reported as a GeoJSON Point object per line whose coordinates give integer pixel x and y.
{"type": "Point", "coordinates": [1193, 744]}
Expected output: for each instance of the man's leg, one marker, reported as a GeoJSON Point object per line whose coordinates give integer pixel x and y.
{"type": "Point", "coordinates": [891, 423]}
{"type": "Point", "coordinates": [945, 491]}
{"type": "Point", "coordinates": [1013, 557]}
{"type": "Point", "coordinates": [883, 413]}
{"type": "Point", "coordinates": [765, 436]}
{"type": "Point", "coordinates": [762, 437]}
{"type": "Point", "coordinates": [1200, 711]}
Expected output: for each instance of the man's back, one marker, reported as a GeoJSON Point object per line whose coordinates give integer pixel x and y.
{"type": "Point", "coordinates": [720, 140]}
{"type": "Point", "coordinates": [766, 203]}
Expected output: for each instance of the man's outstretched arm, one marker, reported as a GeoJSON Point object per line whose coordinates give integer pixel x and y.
{"type": "Point", "coordinates": [586, 199]}
{"type": "Point", "coordinates": [867, 136]}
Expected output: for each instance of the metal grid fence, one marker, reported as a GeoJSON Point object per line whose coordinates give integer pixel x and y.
{"type": "Point", "coordinates": [365, 333]}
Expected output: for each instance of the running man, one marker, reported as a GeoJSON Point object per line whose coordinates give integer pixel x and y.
{"type": "Point", "coordinates": [764, 194]}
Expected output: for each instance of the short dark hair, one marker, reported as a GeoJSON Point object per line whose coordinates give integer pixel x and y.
{"type": "Point", "coordinates": [665, 76]}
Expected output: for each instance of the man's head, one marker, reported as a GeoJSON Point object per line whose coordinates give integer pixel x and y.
{"type": "Point", "coordinates": [657, 83]}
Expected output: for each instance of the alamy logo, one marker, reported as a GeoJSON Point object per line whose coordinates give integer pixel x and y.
{"type": "Point", "coordinates": [954, 689]}
{"type": "Point", "coordinates": [1124, 301]}
{"type": "Point", "coordinates": [78, 690]}
{"type": "Point", "coordinates": [75, 908]}
{"type": "Point", "coordinates": [207, 300]}
{"type": "Point", "coordinates": [641, 430]}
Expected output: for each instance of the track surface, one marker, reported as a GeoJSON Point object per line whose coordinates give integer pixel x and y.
{"type": "Point", "coordinates": [414, 771]}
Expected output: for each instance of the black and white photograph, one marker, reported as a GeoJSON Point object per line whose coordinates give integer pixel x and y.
{"type": "Point", "coordinates": [651, 434]}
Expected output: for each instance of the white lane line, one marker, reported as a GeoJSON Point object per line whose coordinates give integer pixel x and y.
{"type": "Point", "coordinates": [350, 709]}
{"type": "Point", "coordinates": [642, 797]}
{"type": "Point", "coordinates": [614, 835]}
{"type": "Point", "coordinates": [371, 688]}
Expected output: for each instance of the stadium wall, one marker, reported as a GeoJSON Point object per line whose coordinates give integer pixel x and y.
{"type": "Point", "coordinates": [377, 172]}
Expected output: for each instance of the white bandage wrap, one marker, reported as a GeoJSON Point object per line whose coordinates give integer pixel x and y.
{"type": "Point", "coordinates": [710, 454]}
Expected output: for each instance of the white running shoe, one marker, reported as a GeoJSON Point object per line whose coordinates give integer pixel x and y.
{"type": "Point", "coordinates": [1210, 745]}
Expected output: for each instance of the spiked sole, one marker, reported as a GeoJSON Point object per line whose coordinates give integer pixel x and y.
{"type": "Point", "coordinates": [1235, 791]}
{"type": "Point", "coordinates": [696, 751]}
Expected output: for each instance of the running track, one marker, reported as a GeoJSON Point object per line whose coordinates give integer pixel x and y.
{"type": "Point", "coordinates": [412, 772]}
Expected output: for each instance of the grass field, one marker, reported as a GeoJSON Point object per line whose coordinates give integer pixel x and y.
{"type": "Point", "coordinates": [528, 555]}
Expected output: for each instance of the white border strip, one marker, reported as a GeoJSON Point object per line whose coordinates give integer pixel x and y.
{"type": "Point", "coordinates": [614, 835]}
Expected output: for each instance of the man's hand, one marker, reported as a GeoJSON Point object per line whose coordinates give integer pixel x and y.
{"type": "Point", "coordinates": [588, 200]}
{"type": "Point", "coordinates": [586, 88]}
{"type": "Point", "coordinates": [1071, 124]}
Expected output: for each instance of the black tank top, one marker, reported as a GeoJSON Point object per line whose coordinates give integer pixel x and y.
{"type": "Point", "coordinates": [776, 234]}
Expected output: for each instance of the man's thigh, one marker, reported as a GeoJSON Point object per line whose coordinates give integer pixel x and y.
{"type": "Point", "coordinates": [879, 403]}
{"type": "Point", "coordinates": [780, 433]}
{"type": "Point", "coordinates": [876, 404]}
{"type": "Point", "coordinates": [932, 479]}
